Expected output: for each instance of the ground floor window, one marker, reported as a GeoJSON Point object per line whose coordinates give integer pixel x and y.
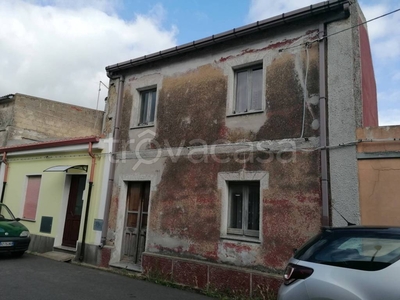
{"type": "Point", "coordinates": [31, 197]}
{"type": "Point", "coordinates": [244, 208]}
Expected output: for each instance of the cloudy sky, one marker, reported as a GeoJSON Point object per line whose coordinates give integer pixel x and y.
{"type": "Point", "coordinates": [58, 49]}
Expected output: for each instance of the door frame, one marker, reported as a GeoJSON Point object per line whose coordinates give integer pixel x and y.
{"type": "Point", "coordinates": [143, 185]}
{"type": "Point", "coordinates": [82, 215]}
{"type": "Point", "coordinates": [117, 251]}
{"type": "Point", "coordinates": [64, 205]}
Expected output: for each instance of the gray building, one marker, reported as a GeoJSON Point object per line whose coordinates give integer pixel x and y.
{"type": "Point", "coordinates": [234, 149]}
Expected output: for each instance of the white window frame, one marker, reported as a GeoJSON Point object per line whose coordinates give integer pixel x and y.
{"type": "Point", "coordinates": [244, 231]}
{"type": "Point", "coordinates": [224, 178]}
{"type": "Point", "coordinates": [249, 70]}
{"type": "Point", "coordinates": [145, 121]}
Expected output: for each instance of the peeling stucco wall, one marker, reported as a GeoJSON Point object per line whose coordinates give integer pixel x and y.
{"type": "Point", "coordinates": [186, 211]}
{"type": "Point", "coordinates": [192, 106]}
{"type": "Point", "coordinates": [195, 94]}
{"type": "Point", "coordinates": [287, 93]}
{"type": "Point", "coordinates": [195, 100]}
{"type": "Point", "coordinates": [194, 109]}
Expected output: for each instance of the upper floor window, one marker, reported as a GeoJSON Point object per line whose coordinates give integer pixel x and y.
{"type": "Point", "coordinates": [248, 89]}
{"type": "Point", "coordinates": [147, 106]}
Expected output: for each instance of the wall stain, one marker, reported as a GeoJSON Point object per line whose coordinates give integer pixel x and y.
{"type": "Point", "coordinates": [284, 100]}
{"type": "Point", "coordinates": [126, 112]}
{"type": "Point", "coordinates": [187, 206]}
{"type": "Point", "coordinates": [239, 134]}
{"type": "Point", "coordinates": [192, 106]}
{"type": "Point", "coordinates": [312, 105]}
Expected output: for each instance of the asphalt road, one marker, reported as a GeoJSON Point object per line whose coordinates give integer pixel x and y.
{"type": "Point", "coordinates": [38, 278]}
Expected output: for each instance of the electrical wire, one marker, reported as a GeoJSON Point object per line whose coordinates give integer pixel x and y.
{"type": "Point", "coordinates": [358, 25]}
{"type": "Point", "coordinates": [305, 95]}
{"type": "Point", "coordinates": [98, 94]}
{"type": "Point", "coordinates": [340, 31]}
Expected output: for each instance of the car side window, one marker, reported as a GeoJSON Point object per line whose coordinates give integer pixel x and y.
{"type": "Point", "coordinates": [369, 253]}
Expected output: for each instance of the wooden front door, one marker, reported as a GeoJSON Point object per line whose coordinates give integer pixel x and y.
{"type": "Point", "coordinates": [74, 210]}
{"type": "Point", "coordinates": [137, 205]}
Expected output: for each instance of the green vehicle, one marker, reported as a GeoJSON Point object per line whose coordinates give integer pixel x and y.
{"type": "Point", "coordinates": [14, 237]}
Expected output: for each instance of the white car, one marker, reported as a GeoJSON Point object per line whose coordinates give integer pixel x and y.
{"type": "Point", "coordinates": [346, 263]}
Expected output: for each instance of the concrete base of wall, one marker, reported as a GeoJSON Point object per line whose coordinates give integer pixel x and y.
{"type": "Point", "coordinates": [233, 281]}
{"type": "Point", "coordinates": [41, 244]}
{"type": "Point", "coordinates": [94, 255]}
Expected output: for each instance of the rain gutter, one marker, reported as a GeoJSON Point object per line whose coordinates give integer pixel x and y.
{"type": "Point", "coordinates": [114, 148]}
{"type": "Point", "coordinates": [51, 144]}
{"type": "Point", "coordinates": [4, 161]}
{"type": "Point", "coordinates": [92, 168]}
{"type": "Point", "coordinates": [283, 19]}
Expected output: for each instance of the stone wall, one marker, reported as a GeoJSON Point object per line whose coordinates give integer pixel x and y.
{"type": "Point", "coordinates": [27, 119]}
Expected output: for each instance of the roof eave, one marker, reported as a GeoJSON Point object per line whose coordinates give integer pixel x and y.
{"type": "Point", "coordinates": [50, 144]}
{"type": "Point", "coordinates": [303, 13]}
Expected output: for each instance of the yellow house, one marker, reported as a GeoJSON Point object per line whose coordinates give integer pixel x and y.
{"type": "Point", "coordinates": [57, 189]}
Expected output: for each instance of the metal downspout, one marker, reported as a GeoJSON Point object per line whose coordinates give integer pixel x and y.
{"type": "Point", "coordinates": [4, 161]}
{"type": "Point", "coordinates": [323, 132]}
{"type": "Point", "coordinates": [115, 144]}
{"type": "Point", "coordinates": [92, 168]}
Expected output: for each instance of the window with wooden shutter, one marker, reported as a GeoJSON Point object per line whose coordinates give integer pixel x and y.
{"type": "Point", "coordinates": [31, 197]}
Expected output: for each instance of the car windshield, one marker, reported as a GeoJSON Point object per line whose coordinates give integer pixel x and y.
{"type": "Point", "coordinates": [5, 213]}
{"type": "Point", "coordinates": [356, 249]}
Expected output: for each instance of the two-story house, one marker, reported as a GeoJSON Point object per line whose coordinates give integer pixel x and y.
{"type": "Point", "coordinates": [232, 150]}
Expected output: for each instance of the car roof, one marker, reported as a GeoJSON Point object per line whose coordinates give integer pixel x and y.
{"type": "Point", "coordinates": [391, 229]}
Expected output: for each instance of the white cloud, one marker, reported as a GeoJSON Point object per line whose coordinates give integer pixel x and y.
{"type": "Point", "coordinates": [384, 32]}
{"type": "Point", "coordinates": [389, 117]}
{"type": "Point", "coordinates": [384, 36]}
{"type": "Point", "coordinates": [60, 52]}
{"type": "Point", "coordinates": [390, 97]}
{"type": "Point", "coordinates": [262, 9]}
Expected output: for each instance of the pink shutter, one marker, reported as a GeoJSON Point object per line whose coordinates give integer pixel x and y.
{"type": "Point", "coordinates": [31, 198]}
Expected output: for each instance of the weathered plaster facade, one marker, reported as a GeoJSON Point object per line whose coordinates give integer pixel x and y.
{"type": "Point", "coordinates": [27, 119]}
{"type": "Point", "coordinates": [379, 175]}
{"type": "Point", "coordinates": [198, 145]}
